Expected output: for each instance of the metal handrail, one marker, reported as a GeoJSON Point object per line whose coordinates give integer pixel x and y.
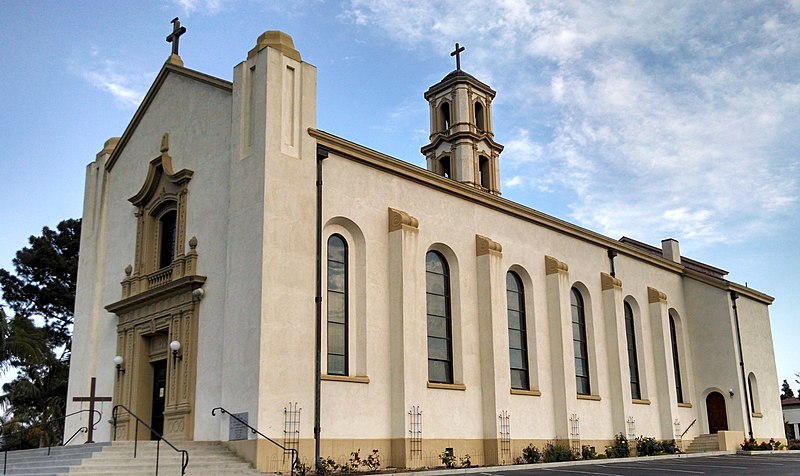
{"type": "Point", "coordinates": [46, 424]}
{"type": "Point", "coordinates": [160, 437]}
{"type": "Point", "coordinates": [294, 452]}
{"type": "Point", "coordinates": [687, 428]}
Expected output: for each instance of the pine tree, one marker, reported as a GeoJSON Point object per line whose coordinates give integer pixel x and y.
{"type": "Point", "coordinates": [786, 391]}
{"type": "Point", "coordinates": [36, 340]}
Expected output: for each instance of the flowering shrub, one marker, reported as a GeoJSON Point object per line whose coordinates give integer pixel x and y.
{"type": "Point", "coordinates": [620, 448]}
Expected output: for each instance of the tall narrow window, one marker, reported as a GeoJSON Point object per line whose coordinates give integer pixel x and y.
{"type": "Point", "coordinates": [479, 120]}
{"type": "Point", "coordinates": [444, 117]}
{"type": "Point", "coordinates": [517, 335]}
{"type": "Point", "coordinates": [440, 330]}
{"type": "Point", "coordinates": [633, 359]}
{"type": "Point", "coordinates": [483, 166]}
{"type": "Point", "coordinates": [337, 305]}
{"type": "Point", "coordinates": [444, 167]}
{"type": "Point", "coordinates": [579, 341]}
{"type": "Point", "coordinates": [166, 246]}
{"type": "Point", "coordinates": [675, 363]}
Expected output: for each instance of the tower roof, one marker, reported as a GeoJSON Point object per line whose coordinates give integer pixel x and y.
{"type": "Point", "coordinates": [459, 76]}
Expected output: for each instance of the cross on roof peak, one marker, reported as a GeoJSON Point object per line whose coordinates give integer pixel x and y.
{"type": "Point", "coordinates": [457, 54]}
{"type": "Point", "coordinates": [174, 37]}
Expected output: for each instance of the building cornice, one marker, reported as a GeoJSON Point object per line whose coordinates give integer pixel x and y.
{"type": "Point", "coordinates": [388, 164]}
{"type": "Point", "coordinates": [372, 158]}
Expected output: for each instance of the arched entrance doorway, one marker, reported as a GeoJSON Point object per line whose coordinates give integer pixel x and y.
{"type": "Point", "coordinates": [717, 414]}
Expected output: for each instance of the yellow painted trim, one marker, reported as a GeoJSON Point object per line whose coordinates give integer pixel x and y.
{"type": "Point", "coordinates": [345, 378]}
{"type": "Point", "coordinates": [447, 386]}
{"type": "Point", "coordinates": [595, 398]}
{"type": "Point", "coordinates": [643, 401]}
{"type": "Point", "coordinates": [757, 415]}
{"type": "Point", "coordinates": [534, 393]}
{"type": "Point", "coordinates": [685, 405]}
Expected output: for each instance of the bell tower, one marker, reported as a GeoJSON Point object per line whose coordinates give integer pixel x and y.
{"type": "Point", "coordinates": [462, 145]}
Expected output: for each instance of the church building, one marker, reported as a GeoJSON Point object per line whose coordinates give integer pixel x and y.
{"type": "Point", "coordinates": [235, 255]}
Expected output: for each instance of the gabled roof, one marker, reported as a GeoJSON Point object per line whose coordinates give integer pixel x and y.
{"type": "Point", "coordinates": [166, 70]}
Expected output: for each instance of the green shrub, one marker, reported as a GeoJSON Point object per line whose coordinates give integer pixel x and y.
{"type": "Point", "coordinates": [776, 445]}
{"type": "Point", "coordinates": [647, 446]}
{"type": "Point", "coordinates": [531, 454]}
{"type": "Point", "coordinates": [448, 459]}
{"type": "Point", "coordinates": [466, 462]}
{"type": "Point", "coordinates": [557, 452]}
{"type": "Point", "coordinates": [670, 447]}
{"type": "Point", "coordinates": [620, 448]}
{"type": "Point", "coordinates": [588, 452]}
{"type": "Point", "coordinates": [794, 445]}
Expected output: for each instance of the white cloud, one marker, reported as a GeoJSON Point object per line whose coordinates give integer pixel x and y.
{"type": "Point", "coordinates": [127, 88]}
{"type": "Point", "coordinates": [208, 7]}
{"type": "Point", "coordinates": [664, 119]}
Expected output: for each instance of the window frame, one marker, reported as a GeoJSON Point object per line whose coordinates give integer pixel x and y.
{"type": "Point", "coordinates": [345, 292]}
{"type": "Point", "coordinates": [577, 308]}
{"type": "Point", "coordinates": [446, 297]}
{"type": "Point", "coordinates": [633, 352]}
{"type": "Point", "coordinates": [523, 333]}
{"type": "Point", "coordinates": [676, 366]}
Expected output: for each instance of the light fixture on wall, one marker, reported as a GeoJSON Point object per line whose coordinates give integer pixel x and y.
{"type": "Point", "coordinates": [175, 346]}
{"type": "Point", "coordinates": [118, 362]}
{"type": "Point", "coordinates": [730, 391]}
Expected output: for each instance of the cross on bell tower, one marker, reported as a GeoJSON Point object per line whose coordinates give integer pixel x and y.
{"type": "Point", "coordinates": [174, 38]}
{"type": "Point", "coordinates": [462, 145]}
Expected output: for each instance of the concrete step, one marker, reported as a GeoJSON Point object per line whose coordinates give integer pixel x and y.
{"type": "Point", "coordinates": [205, 459]}
{"type": "Point", "coordinates": [38, 462]}
{"type": "Point", "coordinates": [703, 444]}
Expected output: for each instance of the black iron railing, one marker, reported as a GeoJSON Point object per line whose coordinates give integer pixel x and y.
{"type": "Point", "coordinates": [688, 427]}
{"type": "Point", "coordinates": [159, 438]}
{"type": "Point", "coordinates": [46, 426]}
{"type": "Point", "coordinates": [254, 431]}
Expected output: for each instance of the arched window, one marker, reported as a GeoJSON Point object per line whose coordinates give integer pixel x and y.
{"type": "Point", "coordinates": [479, 117]}
{"type": "Point", "coordinates": [517, 335]}
{"type": "Point", "coordinates": [444, 117]}
{"type": "Point", "coordinates": [579, 344]}
{"type": "Point", "coordinates": [440, 328]}
{"type": "Point", "coordinates": [752, 387]}
{"type": "Point", "coordinates": [167, 231]}
{"type": "Point", "coordinates": [633, 359]}
{"type": "Point", "coordinates": [337, 306]}
{"type": "Point", "coordinates": [444, 167]}
{"type": "Point", "coordinates": [483, 166]}
{"type": "Point", "coordinates": [675, 363]}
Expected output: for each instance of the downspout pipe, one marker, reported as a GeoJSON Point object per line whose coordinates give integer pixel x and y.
{"type": "Point", "coordinates": [734, 297]}
{"type": "Point", "coordinates": [612, 253]}
{"type": "Point", "coordinates": [322, 154]}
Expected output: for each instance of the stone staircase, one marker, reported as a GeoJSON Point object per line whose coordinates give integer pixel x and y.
{"type": "Point", "coordinates": [60, 460]}
{"type": "Point", "coordinates": [703, 444]}
{"type": "Point", "coordinates": [205, 459]}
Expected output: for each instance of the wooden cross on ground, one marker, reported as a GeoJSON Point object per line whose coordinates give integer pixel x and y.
{"type": "Point", "coordinates": [457, 54]}
{"type": "Point", "coordinates": [92, 398]}
{"type": "Point", "coordinates": [175, 36]}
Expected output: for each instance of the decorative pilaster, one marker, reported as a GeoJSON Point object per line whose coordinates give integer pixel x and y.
{"type": "Point", "coordinates": [616, 343]}
{"type": "Point", "coordinates": [406, 338]}
{"type": "Point", "coordinates": [492, 328]}
{"type": "Point", "coordinates": [562, 364]}
{"type": "Point", "coordinates": [662, 356]}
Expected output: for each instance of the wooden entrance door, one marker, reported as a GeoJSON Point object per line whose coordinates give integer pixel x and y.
{"type": "Point", "coordinates": [717, 414]}
{"type": "Point", "coordinates": [159, 397]}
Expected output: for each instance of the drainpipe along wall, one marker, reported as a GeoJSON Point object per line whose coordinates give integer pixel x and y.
{"type": "Point", "coordinates": [322, 154]}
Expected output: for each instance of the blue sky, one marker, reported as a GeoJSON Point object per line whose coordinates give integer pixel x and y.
{"type": "Point", "coordinates": [644, 119]}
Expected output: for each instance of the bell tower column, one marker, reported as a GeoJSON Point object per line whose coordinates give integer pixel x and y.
{"type": "Point", "coordinates": [462, 145]}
